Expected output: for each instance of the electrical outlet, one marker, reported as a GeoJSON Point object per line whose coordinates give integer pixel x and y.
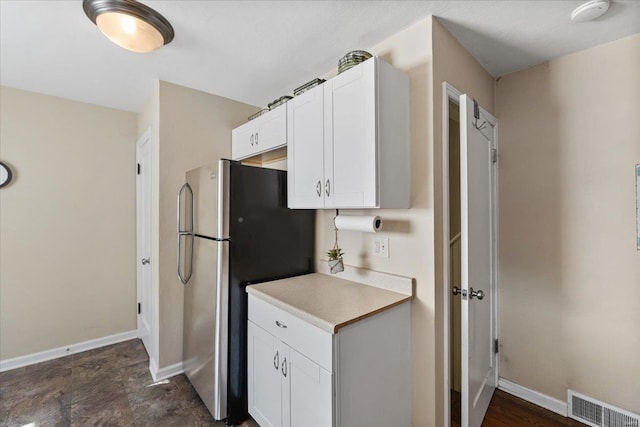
{"type": "Point", "coordinates": [381, 247]}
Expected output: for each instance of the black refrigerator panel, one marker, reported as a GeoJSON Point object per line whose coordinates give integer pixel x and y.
{"type": "Point", "coordinates": [267, 241]}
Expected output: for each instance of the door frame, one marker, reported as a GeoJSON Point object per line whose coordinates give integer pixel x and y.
{"type": "Point", "coordinates": [450, 93]}
{"type": "Point", "coordinates": [144, 139]}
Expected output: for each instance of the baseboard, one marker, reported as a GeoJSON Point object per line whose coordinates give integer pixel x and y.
{"type": "Point", "coordinates": [547, 402]}
{"type": "Point", "coordinates": [43, 356]}
{"type": "Point", "coordinates": [160, 374]}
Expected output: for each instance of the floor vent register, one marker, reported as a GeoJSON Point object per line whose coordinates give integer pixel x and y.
{"type": "Point", "coordinates": [599, 414]}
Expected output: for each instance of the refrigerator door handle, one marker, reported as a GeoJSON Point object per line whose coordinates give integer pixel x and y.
{"type": "Point", "coordinates": [185, 279]}
{"type": "Point", "coordinates": [186, 188]}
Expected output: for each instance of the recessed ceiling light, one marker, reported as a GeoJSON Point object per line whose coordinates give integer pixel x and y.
{"type": "Point", "coordinates": [129, 24]}
{"type": "Point", "coordinates": [590, 10]}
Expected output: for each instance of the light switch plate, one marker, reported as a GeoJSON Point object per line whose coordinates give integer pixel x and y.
{"type": "Point", "coordinates": [381, 247]}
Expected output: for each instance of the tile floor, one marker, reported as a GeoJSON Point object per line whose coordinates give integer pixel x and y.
{"type": "Point", "coordinates": [109, 386]}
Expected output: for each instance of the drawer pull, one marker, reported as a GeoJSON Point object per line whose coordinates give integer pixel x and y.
{"type": "Point", "coordinates": [281, 325]}
{"type": "Point", "coordinates": [276, 361]}
{"type": "Point", "coordinates": [284, 367]}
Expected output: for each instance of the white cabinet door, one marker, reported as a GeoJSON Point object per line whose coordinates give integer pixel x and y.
{"type": "Point", "coordinates": [305, 150]}
{"type": "Point", "coordinates": [242, 140]}
{"type": "Point", "coordinates": [310, 392]}
{"type": "Point", "coordinates": [262, 134]}
{"type": "Point", "coordinates": [272, 130]}
{"type": "Point", "coordinates": [285, 385]}
{"type": "Point", "coordinates": [264, 360]}
{"type": "Point", "coordinates": [350, 145]}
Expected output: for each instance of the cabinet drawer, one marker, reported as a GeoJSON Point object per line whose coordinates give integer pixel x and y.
{"type": "Point", "coordinates": [307, 339]}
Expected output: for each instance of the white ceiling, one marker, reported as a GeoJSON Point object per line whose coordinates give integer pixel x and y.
{"type": "Point", "coordinates": [256, 51]}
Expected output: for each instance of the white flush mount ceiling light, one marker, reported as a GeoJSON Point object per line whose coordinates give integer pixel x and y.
{"type": "Point", "coordinates": [129, 24]}
{"type": "Point", "coordinates": [590, 10]}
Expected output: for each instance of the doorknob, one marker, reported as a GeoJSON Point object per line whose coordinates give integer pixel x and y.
{"type": "Point", "coordinates": [479, 294]}
{"type": "Point", "coordinates": [146, 261]}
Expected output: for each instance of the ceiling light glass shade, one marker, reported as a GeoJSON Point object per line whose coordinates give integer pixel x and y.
{"type": "Point", "coordinates": [129, 24]}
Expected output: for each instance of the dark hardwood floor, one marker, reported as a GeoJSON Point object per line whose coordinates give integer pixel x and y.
{"type": "Point", "coordinates": [506, 410]}
{"type": "Point", "coordinates": [108, 386]}
{"type": "Point", "coordinates": [112, 386]}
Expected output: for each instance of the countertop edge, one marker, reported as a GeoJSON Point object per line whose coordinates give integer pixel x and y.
{"type": "Point", "coordinates": [320, 323]}
{"type": "Point", "coordinates": [372, 313]}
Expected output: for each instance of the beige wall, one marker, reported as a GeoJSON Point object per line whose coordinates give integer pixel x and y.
{"type": "Point", "coordinates": [194, 128]}
{"type": "Point", "coordinates": [453, 64]}
{"type": "Point", "coordinates": [569, 137]}
{"type": "Point", "coordinates": [410, 232]}
{"type": "Point", "coordinates": [67, 223]}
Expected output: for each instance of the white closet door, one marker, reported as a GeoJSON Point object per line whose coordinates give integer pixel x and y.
{"type": "Point", "coordinates": [477, 200]}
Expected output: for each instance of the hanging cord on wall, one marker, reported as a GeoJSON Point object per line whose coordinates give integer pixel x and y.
{"type": "Point", "coordinates": [335, 245]}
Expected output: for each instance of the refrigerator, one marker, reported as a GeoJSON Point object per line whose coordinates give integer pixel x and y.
{"type": "Point", "coordinates": [234, 229]}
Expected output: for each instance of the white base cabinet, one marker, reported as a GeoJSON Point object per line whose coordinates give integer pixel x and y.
{"type": "Point", "coordinates": [302, 376]}
{"type": "Point", "coordinates": [267, 382]}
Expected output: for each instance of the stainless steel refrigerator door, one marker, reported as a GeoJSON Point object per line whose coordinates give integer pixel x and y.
{"type": "Point", "coordinates": [204, 185]}
{"type": "Point", "coordinates": [205, 301]}
{"type": "Point", "coordinates": [200, 314]}
{"type": "Point", "coordinates": [222, 293]}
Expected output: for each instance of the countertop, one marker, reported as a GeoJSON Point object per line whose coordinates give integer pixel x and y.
{"type": "Point", "coordinates": [327, 302]}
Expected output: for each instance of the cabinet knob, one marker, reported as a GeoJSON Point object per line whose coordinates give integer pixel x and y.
{"type": "Point", "coordinates": [251, 139]}
{"type": "Point", "coordinates": [327, 187]}
{"type": "Point", "coordinates": [256, 140]}
{"type": "Point", "coordinates": [284, 367]}
{"type": "Point", "coordinates": [319, 188]}
{"type": "Point", "coordinates": [276, 361]}
{"type": "Point", "coordinates": [281, 325]}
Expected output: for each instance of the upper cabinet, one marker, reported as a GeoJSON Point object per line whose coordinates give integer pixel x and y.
{"type": "Point", "coordinates": [305, 151]}
{"type": "Point", "coordinates": [348, 141]}
{"type": "Point", "coordinates": [259, 135]}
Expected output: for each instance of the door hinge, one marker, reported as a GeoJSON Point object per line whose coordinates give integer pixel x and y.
{"type": "Point", "coordinates": [139, 308]}
{"type": "Point", "coordinates": [494, 155]}
{"type": "Point", "coordinates": [139, 168]}
{"type": "Point", "coordinates": [496, 346]}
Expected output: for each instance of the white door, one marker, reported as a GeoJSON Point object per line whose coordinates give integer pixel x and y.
{"type": "Point", "coordinates": [243, 141]}
{"type": "Point", "coordinates": [310, 392]}
{"type": "Point", "coordinates": [143, 229]}
{"type": "Point", "coordinates": [478, 252]}
{"type": "Point", "coordinates": [264, 361]}
{"type": "Point", "coordinates": [272, 129]}
{"type": "Point", "coordinates": [305, 139]}
{"type": "Point", "coordinates": [350, 177]}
